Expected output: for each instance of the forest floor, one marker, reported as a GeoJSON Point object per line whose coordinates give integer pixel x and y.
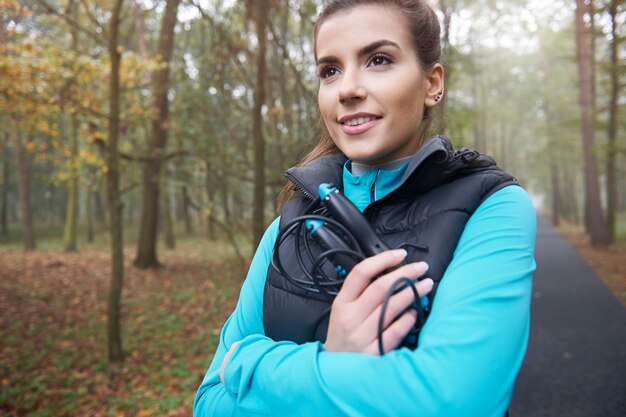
{"type": "Point", "coordinates": [53, 345]}
{"type": "Point", "coordinates": [608, 262]}
{"type": "Point", "coordinates": [53, 353]}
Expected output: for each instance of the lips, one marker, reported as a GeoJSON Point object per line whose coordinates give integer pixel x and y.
{"type": "Point", "coordinates": [355, 124]}
{"type": "Point", "coordinates": [357, 119]}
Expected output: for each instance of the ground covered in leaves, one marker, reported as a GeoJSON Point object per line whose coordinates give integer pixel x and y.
{"type": "Point", "coordinates": [608, 262]}
{"type": "Point", "coordinates": [53, 358]}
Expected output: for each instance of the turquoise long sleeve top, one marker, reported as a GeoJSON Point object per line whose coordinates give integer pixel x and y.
{"type": "Point", "coordinates": [470, 349]}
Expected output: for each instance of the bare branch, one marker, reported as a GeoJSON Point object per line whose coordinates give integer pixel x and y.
{"type": "Point", "coordinates": [93, 19]}
{"type": "Point", "coordinates": [52, 10]}
{"type": "Point", "coordinates": [233, 49]}
{"type": "Point", "coordinates": [297, 74]}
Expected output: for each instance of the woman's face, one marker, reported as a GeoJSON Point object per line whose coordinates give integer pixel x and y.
{"type": "Point", "coordinates": [372, 91]}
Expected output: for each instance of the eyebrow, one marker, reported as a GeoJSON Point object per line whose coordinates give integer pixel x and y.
{"type": "Point", "coordinates": [367, 49]}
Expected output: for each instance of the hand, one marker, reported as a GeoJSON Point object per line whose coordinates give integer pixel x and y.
{"type": "Point", "coordinates": [355, 312]}
{"type": "Point", "coordinates": [225, 360]}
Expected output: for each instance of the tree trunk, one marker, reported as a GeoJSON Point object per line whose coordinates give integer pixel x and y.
{"type": "Point", "coordinates": [258, 218]}
{"type": "Point", "coordinates": [116, 354]}
{"type": "Point", "coordinates": [147, 244]}
{"type": "Point", "coordinates": [556, 194]}
{"type": "Point", "coordinates": [597, 227]}
{"type": "Point", "coordinates": [569, 193]}
{"type": "Point", "coordinates": [139, 28]}
{"type": "Point", "coordinates": [100, 210]}
{"type": "Point", "coordinates": [4, 215]}
{"type": "Point", "coordinates": [611, 175]}
{"type": "Point", "coordinates": [557, 206]}
{"type": "Point", "coordinates": [186, 206]}
{"type": "Point", "coordinates": [89, 215]}
{"type": "Point", "coordinates": [168, 225]}
{"type": "Point", "coordinates": [23, 188]}
{"type": "Point", "coordinates": [226, 194]}
{"type": "Point", "coordinates": [71, 216]}
{"type": "Point", "coordinates": [592, 62]}
{"type": "Point", "coordinates": [592, 53]}
{"type": "Point", "coordinates": [210, 191]}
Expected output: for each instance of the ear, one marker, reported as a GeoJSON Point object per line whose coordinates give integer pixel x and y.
{"type": "Point", "coordinates": [435, 84]}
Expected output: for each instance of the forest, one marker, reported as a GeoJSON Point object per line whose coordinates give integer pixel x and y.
{"type": "Point", "coordinates": [148, 141]}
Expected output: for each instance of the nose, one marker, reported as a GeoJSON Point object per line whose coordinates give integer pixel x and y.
{"type": "Point", "coordinates": [351, 88]}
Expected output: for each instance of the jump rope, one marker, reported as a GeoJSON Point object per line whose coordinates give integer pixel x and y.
{"type": "Point", "coordinates": [344, 236]}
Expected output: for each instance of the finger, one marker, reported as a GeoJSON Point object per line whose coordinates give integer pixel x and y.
{"type": "Point", "coordinates": [394, 334]}
{"type": "Point", "coordinates": [361, 275]}
{"type": "Point", "coordinates": [374, 295]}
{"type": "Point", "coordinates": [398, 303]}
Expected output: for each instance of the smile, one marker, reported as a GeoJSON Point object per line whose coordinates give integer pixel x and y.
{"type": "Point", "coordinates": [358, 121]}
{"type": "Point", "coordinates": [357, 124]}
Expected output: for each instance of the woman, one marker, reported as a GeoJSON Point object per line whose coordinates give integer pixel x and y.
{"type": "Point", "coordinates": [465, 221]}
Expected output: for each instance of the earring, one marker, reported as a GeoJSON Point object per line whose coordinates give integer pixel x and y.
{"type": "Point", "coordinates": [439, 96]}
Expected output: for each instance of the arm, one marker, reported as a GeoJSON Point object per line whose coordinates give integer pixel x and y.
{"type": "Point", "coordinates": [247, 319]}
{"type": "Point", "coordinates": [470, 349]}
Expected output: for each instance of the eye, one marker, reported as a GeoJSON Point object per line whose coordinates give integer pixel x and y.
{"type": "Point", "coordinates": [380, 59]}
{"type": "Point", "coordinates": [327, 72]}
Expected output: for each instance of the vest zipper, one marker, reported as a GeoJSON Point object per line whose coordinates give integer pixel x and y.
{"type": "Point", "coordinates": [373, 188]}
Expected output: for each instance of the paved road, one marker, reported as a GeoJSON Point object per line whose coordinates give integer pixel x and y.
{"type": "Point", "coordinates": [576, 360]}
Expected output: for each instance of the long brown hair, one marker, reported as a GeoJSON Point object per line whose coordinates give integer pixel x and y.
{"type": "Point", "coordinates": [425, 31]}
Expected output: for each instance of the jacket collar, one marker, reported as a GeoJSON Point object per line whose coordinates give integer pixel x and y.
{"type": "Point", "coordinates": [328, 168]}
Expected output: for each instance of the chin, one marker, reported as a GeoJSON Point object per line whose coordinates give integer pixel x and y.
{"type": "Point", "coordinates": [363, 156]}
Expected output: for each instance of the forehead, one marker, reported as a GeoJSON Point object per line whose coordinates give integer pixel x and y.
{"type": "Point", "coordinates": [360, 26]}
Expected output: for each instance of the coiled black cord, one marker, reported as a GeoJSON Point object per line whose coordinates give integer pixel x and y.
{"type": "Point", "coordinates": [316, 279]}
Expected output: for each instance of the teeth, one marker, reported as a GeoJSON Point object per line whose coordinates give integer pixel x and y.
{"type": "Point", "coordinates": [358, 121]}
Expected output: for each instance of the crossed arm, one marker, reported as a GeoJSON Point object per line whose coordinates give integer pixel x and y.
{"type": "Point", "coordinates": [469, 353]}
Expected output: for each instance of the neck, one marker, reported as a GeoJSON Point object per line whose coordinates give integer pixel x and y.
{"type": "Point", "coordinates": [358, 168]}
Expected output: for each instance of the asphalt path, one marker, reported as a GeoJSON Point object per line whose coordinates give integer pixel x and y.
{"type": "Point", "coordinates": [575, 365]}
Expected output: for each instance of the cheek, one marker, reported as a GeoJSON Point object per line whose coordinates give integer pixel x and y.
{"type": "Point", "coordinates": [410, 93]}
{"type": "Point", "coordinates": [325, 105]}
{"type": "Point", "coordinates": [321, 101]}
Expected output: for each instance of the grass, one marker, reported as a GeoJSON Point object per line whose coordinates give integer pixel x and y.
{"type": "Point", "coordinates": [53, 356]}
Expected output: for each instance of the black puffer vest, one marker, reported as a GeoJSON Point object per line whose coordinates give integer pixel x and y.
{"type": "Point", "coordinates": [438, 193]}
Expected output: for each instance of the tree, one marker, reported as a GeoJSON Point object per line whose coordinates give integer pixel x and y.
{"type": "Point", "coordinates": [258, 218]}
{"type": "Point", "coordinates": [116, 354]}
{"type": "Point", "coordinates": [4, 215]}
{"type": "Point", "coordinates": [23, 187]}
{"type": "Point", "coordinates": [611, 174]}
{"type": "Point", "coordinates": [597, 227]}
{"type": "Point", "coordinates": [146, 248]}
{"type": "Point", "coordinates": [71, 217]}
